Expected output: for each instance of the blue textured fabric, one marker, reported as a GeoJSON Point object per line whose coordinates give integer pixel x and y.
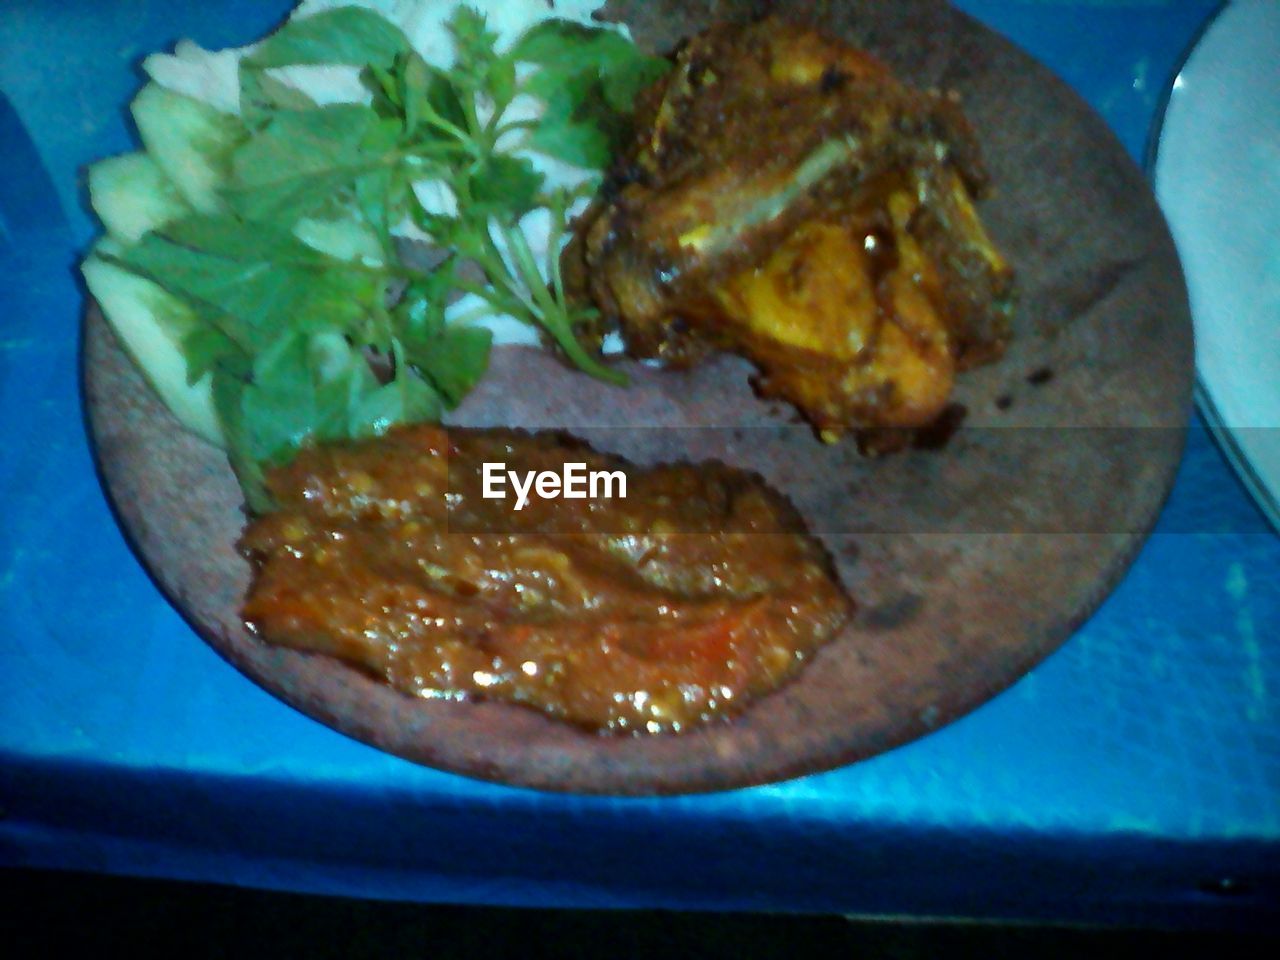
{"type": "Point", "coordinates": [1125, 779]}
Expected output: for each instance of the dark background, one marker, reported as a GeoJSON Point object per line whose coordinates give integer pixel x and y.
{"type": "Point", "coordinates": [52, 914]}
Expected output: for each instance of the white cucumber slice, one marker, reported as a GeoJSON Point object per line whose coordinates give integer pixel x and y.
{"type": "Point", "coordinates": [189, 140]}
{"type": "Point", "coordinates": [131, 196]}
{"type": "Point", "coordinates": [151, 323]}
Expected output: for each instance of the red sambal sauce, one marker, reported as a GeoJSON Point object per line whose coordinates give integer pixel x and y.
{"type": "Point", "coordinates": [693, 595]}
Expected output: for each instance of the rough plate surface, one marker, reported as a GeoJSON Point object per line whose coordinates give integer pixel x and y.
{"type": "Point", "coordinates": [970, 564]}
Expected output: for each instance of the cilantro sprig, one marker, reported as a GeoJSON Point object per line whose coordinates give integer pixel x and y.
{"type": "Point", "coordinates": [311, 319]}
{"type": "Point", "coordinates": [494, 186]}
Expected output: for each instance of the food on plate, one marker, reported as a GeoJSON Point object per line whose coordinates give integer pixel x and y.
{"type": "Point", "coordinates": [695, 594]}
{"type": "Point", "coordinates": [326, 229]}
{"type": "Point", "coordinates": [787, 199]}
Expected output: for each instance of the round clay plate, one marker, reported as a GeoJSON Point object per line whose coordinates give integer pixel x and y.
{"type": "Point", "coordinates": [969, 563]}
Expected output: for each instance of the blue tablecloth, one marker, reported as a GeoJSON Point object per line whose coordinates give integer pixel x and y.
{"type": "Point", "coordinates": [1134, 776]}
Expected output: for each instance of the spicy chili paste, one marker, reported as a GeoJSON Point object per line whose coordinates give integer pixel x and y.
{"type": "Point", "coordinates": [696, 593]}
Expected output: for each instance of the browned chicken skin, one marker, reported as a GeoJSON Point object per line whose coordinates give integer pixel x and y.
{"type": "Point", "coordinates": [788, 200]}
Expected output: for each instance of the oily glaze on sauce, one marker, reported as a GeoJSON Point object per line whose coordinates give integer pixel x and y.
{"type": "Point", "coordinates": [682, 602]}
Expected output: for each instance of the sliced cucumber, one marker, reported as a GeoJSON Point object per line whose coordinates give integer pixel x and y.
{"type": "Point", "coordinates": [324, 83]}
{"type": "Point", "coordinates": [189, 140]}
{"type": "Point", "coordinates": [344, 239]}
{"type": "Point", "coordinates": [151, 323]}
{"type": "Point", "coordinates": [131, 195]}
{"type": "Point", "coordinates": [210, 76]}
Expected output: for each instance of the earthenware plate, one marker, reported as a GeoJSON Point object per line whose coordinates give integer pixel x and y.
{"type": "Point", "coordinates": [970, 562]}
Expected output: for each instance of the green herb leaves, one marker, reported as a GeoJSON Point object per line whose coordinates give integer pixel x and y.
{"type": "Point", "coordinates": [589, 80]}
{"type": "Point", "coordinates": [297, 162]}
{"type": "Point", "coordinates": [253, 281]}
{"type": "Point", "coordinates": [586, 80]}
{"type": "Point", "coordinates": [504, 187]}
{"type": "Point", "coordinates": [285, 238]}
{"type": "Point", "coordinates": [352, 36]}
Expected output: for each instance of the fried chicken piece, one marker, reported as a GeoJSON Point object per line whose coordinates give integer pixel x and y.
{"type": "Point", "coordinates": [788, 200]}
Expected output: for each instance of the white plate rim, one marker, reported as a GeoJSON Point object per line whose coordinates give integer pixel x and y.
{"type": "Point", "coordinates": [1264, 495]}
